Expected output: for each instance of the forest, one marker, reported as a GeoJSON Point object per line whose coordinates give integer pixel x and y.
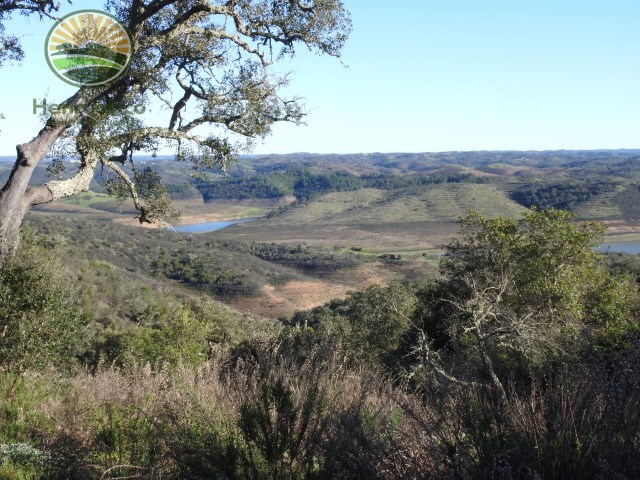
{"type": "Point", "coordinates": [304, 184]}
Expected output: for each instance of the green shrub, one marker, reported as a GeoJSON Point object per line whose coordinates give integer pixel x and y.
{"type": "Point", "coordinates": [21, 399]}
{"type": "Point", "coordinates": [40, 316]}
{"type": "Point", "coordinates": [371, 324]}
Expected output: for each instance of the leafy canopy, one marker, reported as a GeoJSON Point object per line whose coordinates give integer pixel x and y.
{"type": "Point", "coordinates": [526, 290]}
{"type": "Point", "coordinates": [203, 69]}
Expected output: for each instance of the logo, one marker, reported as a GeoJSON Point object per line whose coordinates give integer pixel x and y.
{"type": "Point", "coordinates": [89, 48]}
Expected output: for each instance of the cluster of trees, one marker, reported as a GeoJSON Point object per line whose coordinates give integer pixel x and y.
{"type": "Point", "coordinates": [304, 184]}
{"type": "Point", "coordinates": [304, 258]}
{"type": "Point", "coordinates": [565, 195]}
{"type": "Point", "coordinates": [236, 271]}
{"type": "Point", "coordinates": [628, 201]}
{"type": "Point", "coordinates": [205, 273]}
{"type": "Point", "coordinates": [301, 183]}
{"type": "Point", "coordinates": [392, 182]}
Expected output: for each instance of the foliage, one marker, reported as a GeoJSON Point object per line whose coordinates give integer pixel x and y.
{"type": "Point", "coordinates": [301, 183]}
{"type": "Point", "coordinates": [371, 324]}
{"type": "Point", "coordinates": [580, 424]}
{"type": "Point", "coordinates": [182, 339]}
{"type": "Point", "coordinates": [271, 416]}
{"type": "Point", "coordinates": [541, 274]}
{"type": "Point", "coordinates": [21, 398]}
{"type": "Point", "coordinates": [10, 48]}
{"type": "Point", "coordinates": [21, 460]}
{"type": "Point", "coordinates": [516, 299]}
{"type": "Point", "coordinates": [41, 318]}
{"type": "Point", "coordinates": [304, 258]}
{"type": "Point", "coordinates": [564, 195]}
{"type": "Point", "coordinates": [199, 271]}
{"type": "Point", "coordinates": [306, 184]}
{"type": "Point", "coordinates": [628, 200]}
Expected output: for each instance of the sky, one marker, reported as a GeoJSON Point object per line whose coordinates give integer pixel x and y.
{"type": "Point", "coordinates": [430, 75]}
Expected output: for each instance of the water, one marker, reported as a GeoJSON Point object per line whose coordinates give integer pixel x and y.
{"type": "Point", "coordinates": [632, 247]}
{"type": "Point", "coordinates": [208, 226]}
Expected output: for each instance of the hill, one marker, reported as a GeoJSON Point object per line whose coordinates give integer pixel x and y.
{"type": "Point", "coordinates": [414, 219]}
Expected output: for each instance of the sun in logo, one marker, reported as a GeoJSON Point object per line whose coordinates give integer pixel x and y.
{"type": "Point", "coordinates": [89, 48]}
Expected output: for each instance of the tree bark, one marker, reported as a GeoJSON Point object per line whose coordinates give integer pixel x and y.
{"type": "Point", "coordinates": [14, 201]}
{"type": "Point", "coordinates": [16, 198]}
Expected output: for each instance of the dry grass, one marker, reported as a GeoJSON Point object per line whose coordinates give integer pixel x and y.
{"type": "Point", "coordinates": [226, 417]}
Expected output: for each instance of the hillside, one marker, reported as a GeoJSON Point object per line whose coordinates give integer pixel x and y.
{"type": "Point", "coordinates": [398, 220]}
{"type": "Point", "coordinates": [255, 277]}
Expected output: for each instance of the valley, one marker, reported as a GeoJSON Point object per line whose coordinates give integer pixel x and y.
{"type": "Point", "coordinates": [385, 217]}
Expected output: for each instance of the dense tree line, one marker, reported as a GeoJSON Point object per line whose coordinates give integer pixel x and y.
{"type": "Point", "coordinates": [564, 195]}
{"type": "Point", "coordinates": [301, 183]}
{"type": "Point", "coordinates": [304, 258]}
{"type": "Point", "coordinates": [304, 184]}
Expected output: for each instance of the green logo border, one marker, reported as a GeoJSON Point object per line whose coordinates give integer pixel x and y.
{"type": "Point", "coordinates": [92, 85]}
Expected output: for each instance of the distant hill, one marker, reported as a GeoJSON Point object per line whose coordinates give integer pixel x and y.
{"type": "Point", "coordinates": [415, 218]}
{"type": "Point", "coordinates": [596, 184]}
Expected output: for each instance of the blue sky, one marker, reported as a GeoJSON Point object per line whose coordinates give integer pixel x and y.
{"type": "Point", "coordinates": [427, 75]}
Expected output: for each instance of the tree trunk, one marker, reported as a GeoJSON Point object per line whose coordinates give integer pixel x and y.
{"type": "Point", "coordinates": [497, 384]}
{"type": "Point", "coordinates": [15, 199]}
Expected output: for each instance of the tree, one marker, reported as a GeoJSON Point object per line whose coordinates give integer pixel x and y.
{"type": "Point", "coordinates": [10, 49]}
{"type": "Point", "coordinates": [371, 324]}
{"type": "Point", "coordinates": [207, 63]}
{"type": "Point", "coordinates": [523, 292]}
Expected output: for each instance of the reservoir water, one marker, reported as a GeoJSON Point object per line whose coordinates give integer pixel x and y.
{"type": "Point", "coordinates": [208, 226]}
{"type": "Point", "coordinates": [632, 247]}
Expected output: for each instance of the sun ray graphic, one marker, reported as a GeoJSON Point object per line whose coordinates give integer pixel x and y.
{"type": "Point", "coordinates": [89, 48]}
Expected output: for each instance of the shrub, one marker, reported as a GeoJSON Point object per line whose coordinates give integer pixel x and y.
{"type": "Point", "coordinates": [40, 316]}
{"type": "Point", "coordinates": [21, 400]}
{"type": "Point", "coordinates": [21, 460]}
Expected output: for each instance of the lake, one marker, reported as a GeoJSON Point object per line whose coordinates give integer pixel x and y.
{"type": "Point", "coordinates": [208, 226]}
{"type": "Point", "coordinates": [632, 247]}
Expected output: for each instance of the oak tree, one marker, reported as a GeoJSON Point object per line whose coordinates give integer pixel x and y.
{"type": "Point", "coordinates": [522, 294]}
{"type": "Point", "coordinates": [10, 48]}
{"type": "Point", "coordinates": [208, 64]}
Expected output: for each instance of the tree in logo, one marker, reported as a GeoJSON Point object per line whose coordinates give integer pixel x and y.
{"type": "Point", "coordinates": [89, 48]}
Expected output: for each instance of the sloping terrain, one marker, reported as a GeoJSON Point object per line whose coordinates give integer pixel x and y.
{"type": "Point", "coordinates": [262, 279]}
{"type": "Point", "coordinates": [403, 220]}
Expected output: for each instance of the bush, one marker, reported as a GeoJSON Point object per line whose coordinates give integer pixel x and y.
{"type": "Point", "coordinates": [21, 461]}
{"type": "Point", "coordinates": [21, 400]}
{"type": "Point", "coordinates": [270, 415]}
{"type": "Point", "coordinates": [40, 315]}
{"type": "Point", "coordinates": [371, 324]}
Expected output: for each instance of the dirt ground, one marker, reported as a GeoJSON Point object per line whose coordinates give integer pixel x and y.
{"type": "Point", "coordinates": [283, 300]}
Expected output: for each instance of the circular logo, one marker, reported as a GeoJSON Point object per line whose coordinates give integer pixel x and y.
{"type": "Point", "coordinates": [89, 48]}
